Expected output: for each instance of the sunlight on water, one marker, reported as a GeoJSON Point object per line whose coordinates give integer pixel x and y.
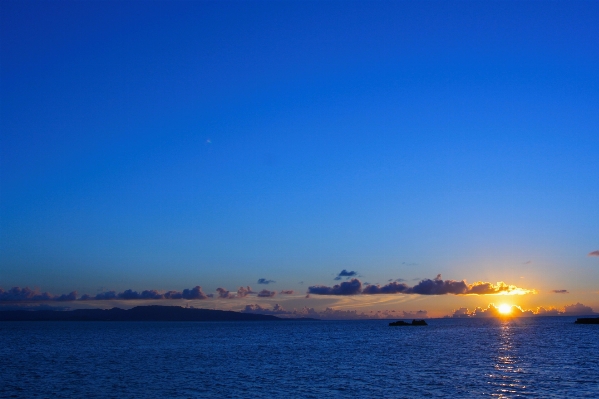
{"type": "Point", "coordinates": [540, 357]}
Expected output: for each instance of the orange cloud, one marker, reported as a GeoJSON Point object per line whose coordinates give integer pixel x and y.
{"type": "Point", "coordinates": [491, 310]}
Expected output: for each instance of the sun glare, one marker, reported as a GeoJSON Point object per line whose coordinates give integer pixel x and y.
{"type": "Point", "coordinates": [505, 309]}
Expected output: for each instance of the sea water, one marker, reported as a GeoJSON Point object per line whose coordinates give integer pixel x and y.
{"type": "Point", "coordinates": [549, 357]}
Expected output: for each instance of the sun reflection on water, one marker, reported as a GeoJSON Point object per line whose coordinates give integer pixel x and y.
{"type": "Point", "coordinates": [505, 378]}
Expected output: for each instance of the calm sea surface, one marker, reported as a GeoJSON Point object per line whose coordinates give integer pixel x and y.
{"type": "Point", "coordinates": [537, 358]}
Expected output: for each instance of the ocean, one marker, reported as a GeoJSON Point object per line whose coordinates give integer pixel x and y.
{"type": "Point", "coordinates": [543, 357]}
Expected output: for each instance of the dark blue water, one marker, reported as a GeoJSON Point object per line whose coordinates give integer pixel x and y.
{"type": "Point", "coordinates": [535, 357]}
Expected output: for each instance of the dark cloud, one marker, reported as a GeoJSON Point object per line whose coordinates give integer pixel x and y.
{"type": "Point", "coordinates": [560, 291]}
{"type": "Point", "coordinates": [594, 253]}
{"type": "Point", "coordinates": [193, 293]}
{"type": "Point", "coordinates": [266, 294]}
{"type": "Point", "coordinates": [346, 274]}
{"type": "Point", "coordinates": [528, 262]}
{"type": "Point", "coordinates": [391, 288]}
{"type": "Point", "coordinates": [276, 310]}
{"type": "Point", "coordinates": [17, 294]}
{"type": "Point", "coordinates": [224, 294]}
{"type": "Point", "coordinates": [265, 281]}
{"type": "Point", "coordinates": [28, 306]}
{"type": "Point", "coordinates": [436, 286]}
{"type": "Point", "coordinates": [352, 287]}
{"type": "Point", "coordinates": [286, 292]}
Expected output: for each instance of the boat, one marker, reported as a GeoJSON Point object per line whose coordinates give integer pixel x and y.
{"type": "Point", "coordinates": [413, 323]}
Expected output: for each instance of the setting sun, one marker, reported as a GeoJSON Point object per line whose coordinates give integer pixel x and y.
{"type": "Point", "coordinates": [505, 309]}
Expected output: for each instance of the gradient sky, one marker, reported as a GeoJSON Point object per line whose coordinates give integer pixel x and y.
{"type": "Point", "coordinates": [163, 145]}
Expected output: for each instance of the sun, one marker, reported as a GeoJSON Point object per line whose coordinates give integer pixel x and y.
{"type": "Point", "coordinates": [505, 309]}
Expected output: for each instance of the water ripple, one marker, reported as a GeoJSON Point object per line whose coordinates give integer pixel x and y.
{"type": "Point", "coordinates": [541, 357]}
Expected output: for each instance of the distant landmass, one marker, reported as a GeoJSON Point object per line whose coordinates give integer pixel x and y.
{"type": "Point", "coordinates": [139, 313]}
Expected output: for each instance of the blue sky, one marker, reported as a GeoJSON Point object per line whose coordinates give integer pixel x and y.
{"type": "Point", "coordinates": [163, 145]}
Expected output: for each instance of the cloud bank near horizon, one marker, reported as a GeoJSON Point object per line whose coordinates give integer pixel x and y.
{"type": "Point", "coordinates": [436, 286]}
{"type": "Point", "coordinates": [577, 309]}
{"type": "Point", "coordinates": [333, 314]}
{"type": "Point", "coordinates": [17, 294]}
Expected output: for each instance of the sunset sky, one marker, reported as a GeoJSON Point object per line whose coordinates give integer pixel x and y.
{"type": "Point", "coordinates": [295, 146]}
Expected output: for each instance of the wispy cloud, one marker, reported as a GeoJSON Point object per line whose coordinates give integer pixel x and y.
{"type": "Point", "coordinates": [265, 281]}
{"type": "Point", "coordinates": [594, 253]}
{"type": "Point", "coordinates": [560, 291]}
{"type": "Point", "coordinates": [436, 286]}
{"type": "Point", "coordinates": [286, 292]}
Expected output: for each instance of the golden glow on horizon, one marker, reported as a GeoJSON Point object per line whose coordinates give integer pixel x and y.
{"type": "Point", "coordinates": [505, 309]}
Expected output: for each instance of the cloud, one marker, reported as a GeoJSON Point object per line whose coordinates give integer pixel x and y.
{"type": "Point", "coordinates": [265, 281]}
{"type": "Point", "coordinates": [352, 287]}
{"type": "Point", "coordinates": [594, 253]}
{"type": "Point", "coordinates": [286, 292]}
{"type": "Point", "coordinates": [266, 294]}
{"type": "Point", "coordinates": [439, 287]}
{"type": "Point", "coordinates": [279, 311]}
{"type": "Point", "coordinates": [577, 309]}
{"type": "Point", "coordinates": [528, 262]}
{"type": "Point", "coordinates": [346, 274]}
{"type": "Point", "coordinates": [332, 314]}
{"type": "Point", "coordinates": [193, 293]}
{"type": "Point", "coordinates": [560, 291]}
{"type": "Point", "coordinates": [17, 294]}
{"type": "Point", "coordinates": [391, 288]}
{"type": "Point", "coordinates": [27, 306]}
{"type": "Point", "coordinates": [461, 312]}
{"type": "Point", "coordinates": [541, 311]}
{"type": "Point", "coordinates": [436, 286]}
{"type": "Point", "coordinates": [242, 292]}
{"type": "Point", "coordinates": [491, 311]}
{"type": "Point", "coordinates": [419, 314]}
{"type": "Point", "coordinates": [224, 294]}
{"type": "Point", "coordinates": [516, 311]}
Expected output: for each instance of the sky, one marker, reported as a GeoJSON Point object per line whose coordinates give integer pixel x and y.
{"type": "Point", "coordinates": [291, 146]}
